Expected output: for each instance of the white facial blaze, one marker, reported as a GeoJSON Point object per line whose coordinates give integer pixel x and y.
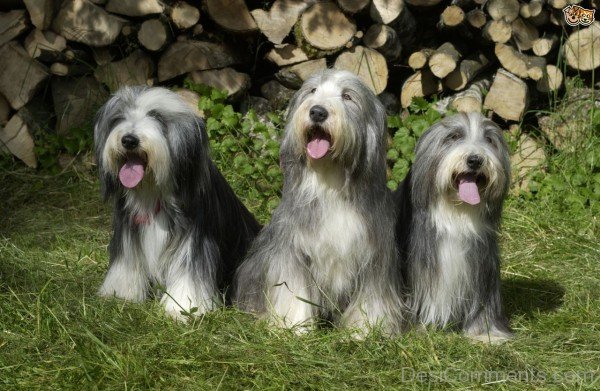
{"type": "Point", "coordinates": [454, 162]}
{"type": "Point", "coordinates": [152, 143]}
{"type": "Point", "coordinates": [329, 96]}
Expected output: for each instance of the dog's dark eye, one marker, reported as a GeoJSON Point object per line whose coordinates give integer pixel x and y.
{"type": "Point", "coordinates": [453, 137]}
{"type": "Point", "coordinates": [313, 90]}
{"type": "Point", "coordinates": [157, 116]}
{"type": "Point", "coordinates": [346, 96]}
{"type": "Point", "coordinates": [114, 122]}
{"type": "Point", "coordinates": [490, 140]}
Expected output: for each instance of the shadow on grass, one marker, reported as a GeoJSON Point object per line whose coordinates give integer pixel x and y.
{"type": "Point", "coordinates": [528, 297]}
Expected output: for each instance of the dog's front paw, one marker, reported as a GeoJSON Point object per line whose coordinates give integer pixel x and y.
{"type": "Point", "coordinates": [493, 337]}
{"type": "Point", "coordinates": [184, 309]}
{"type": "Point", "coordinates": [117, 287]}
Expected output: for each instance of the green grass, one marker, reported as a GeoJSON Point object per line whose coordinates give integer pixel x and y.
{"type": "Point", "coordinates": [56, 334]}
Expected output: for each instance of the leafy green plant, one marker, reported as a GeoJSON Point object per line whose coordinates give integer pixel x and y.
{"type": "Point", "coordinates": [50, 145]}
{"type": "Point", "coordinates": [571, 179]}
{"type": "Point", "coordinates": [571, 175]}
{"type": "Point", "coordinates": [245, 149]}
{"type": "Point", "coordinates": [405, 133]}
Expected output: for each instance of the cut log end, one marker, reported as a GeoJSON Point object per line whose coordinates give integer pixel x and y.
{"type": "Point", "coordinates": [325, 27]}
{"type": "Point", "coordinates": [420, 84]}
{"type": "Point", "coordinates": [368, 64]}
{"type": "Point", "coordinates": [551, 80]}
{"type": "Point", "coordinates": [444, 60]}
{"type": "Point", "coordinates": [232, 15]}
{"type": "Point", "coordinates": [153, 35]}
{"type": "Point", "coordinates": [582, 49]}
{"type": "Point", "coordinates": [508, 97]}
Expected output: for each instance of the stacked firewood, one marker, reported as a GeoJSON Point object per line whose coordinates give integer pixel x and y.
{"type": "Point", "coordinates": [59, 59]}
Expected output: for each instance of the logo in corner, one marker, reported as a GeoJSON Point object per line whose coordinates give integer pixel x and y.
{"type": "Point", "coordinates": [576, 15]}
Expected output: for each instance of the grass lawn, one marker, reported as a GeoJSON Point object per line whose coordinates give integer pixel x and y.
{"type": "Point", "coordinates": [56, 334]}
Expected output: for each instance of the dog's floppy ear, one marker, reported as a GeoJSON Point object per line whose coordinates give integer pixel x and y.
{"type": "Point", "coordinates": [102, 123]}
{"type": "Point", "coordinates": [189, 153]}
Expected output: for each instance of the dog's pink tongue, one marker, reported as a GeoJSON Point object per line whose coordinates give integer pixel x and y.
{"type": "Point", "coordinates": [468, 191]}
{"type": "Point", "coordinates": [132, 172]}
{"type": "Point", "coordinates": [317, 147]}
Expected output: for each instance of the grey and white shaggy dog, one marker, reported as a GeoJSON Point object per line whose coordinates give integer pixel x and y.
{"type": "Point", "coordinates": [450, 207]}
{"type": "Point", "coordinates": [329, 250]}
{"type": "Point", "coordinates": [177, 223]}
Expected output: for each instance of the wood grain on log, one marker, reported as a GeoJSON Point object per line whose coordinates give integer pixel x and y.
{"type": "Point", "coordinates": [187, 56]}
{"type": "Point", "coordinates": [582, 49]}
{"type": "Point", "coordinates": [368, 64]}
{"type": "Point", "coordinates": [508, 97]}
{"type": "Point", "coordinates": [184, 15]}
{"type": "Point", "coordinates": [471, 99]}
{"type": "Point", "coordinates": [276, 23]}
{"type": "Point", "coordinates": [153, 34]}
{"type": "Point", "coordinates": [16, 137]}
{"type": "Point", "coordinates": [544, 45]}
{"type": "Point", "coordinates": [353, 6]}
{"type": "Point", "coordinates": [506, 10]}
{"type": "Point", "coordinates": [476, 18]}
{"type": "Point", "coordinates": [294, 75]}
{"type": "Point", "coordinates": [135, 69]}
{"type": "Point", "coordinates": [524, 34]}
{"type": "Point", "coordinates": [497, 31]}
{"type": "Point", "coordinates": [444, 60]}
{"type": "Point", "coordinates": [44, 45]}
{"type": "Point", "coordinates": [551, 81]}
{"type": "Point", "coordinates": [135, 7]}
{"type": "Point", "coordinates": [452, 16]}
{"type": "Point", "coordinates": [4, 111]}
{"type": "Point", "coordinates": [286, 54]}
{"type": "Point", "coordinates": [21, 76]}
{"type": "Point", "coordinates": [421, 83]}
{"type": "Point", "coordinates": [386, 11]}
{"type": "Point", "coordinates": [419, 59]}
{"type": "Point", "coordinates": [40, 12]}
{"type": "Point", "coordinates": [82, 21]}
{"type": "Point", "coordinates": [385, 40]}
{"type": "Point", "coordinates": [232, 15]}
{"type": "Point", "coordinates": [466, 71]}
{"type": "Point", "coordinates": [228, 79]}
{"type": "Point", "coordinates": [12, 24]}
{"type": "Point", "coordinates": [325, 27]}
{"type": "Point", "coordinates": [531, 9]}
{"type": "Point", "coordinates": [518, 63]}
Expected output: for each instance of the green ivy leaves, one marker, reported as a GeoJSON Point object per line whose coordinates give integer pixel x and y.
{"type": "Point", "coordinates": [405, 133]}
{"type": "Point", "coordinates": [245, 149]}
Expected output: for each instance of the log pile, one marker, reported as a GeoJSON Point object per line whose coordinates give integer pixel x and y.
{"type": "Point", "coordinates": [496, 55]}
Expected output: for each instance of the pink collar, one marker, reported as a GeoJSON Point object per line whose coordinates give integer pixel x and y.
{"type": "Point", "coordinates": [146, 218]}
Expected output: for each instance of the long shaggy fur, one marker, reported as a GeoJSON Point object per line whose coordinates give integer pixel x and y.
{"type": "Point", "coordinates": [451, 262]}
{"type": "Point", "coordinates": [329, 249]}
{"type": "Point", "coordinates": [182, 227]}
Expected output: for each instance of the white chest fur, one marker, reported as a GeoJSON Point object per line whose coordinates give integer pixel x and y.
{"type": "Point", "coordinates": [153, 241]}
{"type": "Point", "coordinates": [338, 246]}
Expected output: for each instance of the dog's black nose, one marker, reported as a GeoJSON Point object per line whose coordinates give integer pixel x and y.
{"type": "Point", "coordinates": [318, 113]}
{"type": "Point", "coordinates": [474, 162]}
{"type": "Point", "coordinates": [129, 141]}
